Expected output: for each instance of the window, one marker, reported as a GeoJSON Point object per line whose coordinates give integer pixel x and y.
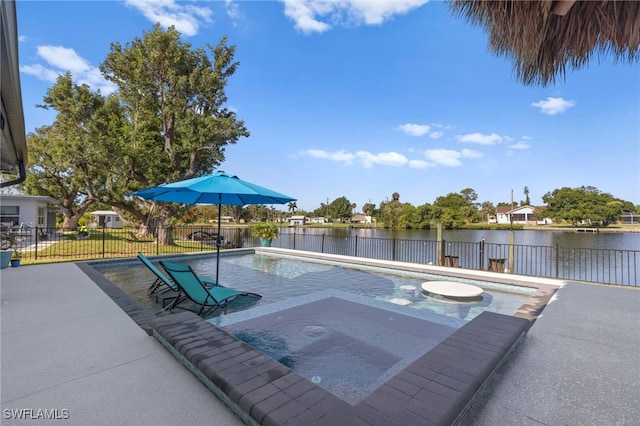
{"type": "Point", "coordinates": [41, 216]}
{"type": "Point", "coordinates": [10, 214]}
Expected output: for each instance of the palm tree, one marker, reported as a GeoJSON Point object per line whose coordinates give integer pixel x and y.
{"type": "Point", "coordinates": [488, 209]}
{"type": "Point", "coordinates": [292, 206]}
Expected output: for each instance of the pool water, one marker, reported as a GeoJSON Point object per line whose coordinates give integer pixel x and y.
{"type": "Point", "coordinates": [278, 278]}
{"type": "Point", "coordinates": [346, 346]}
{"type": "Point", "coordinates": [347, 328]}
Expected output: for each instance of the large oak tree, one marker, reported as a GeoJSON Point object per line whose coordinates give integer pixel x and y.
{"type": "Point", "coordinates": [586, 203]}
{"type": "Point", "coordinates": [177, 125]}
{"type": "Point", "coordinates": [63, 154]}
{"type": "Point", "coordinates": [166, 122]}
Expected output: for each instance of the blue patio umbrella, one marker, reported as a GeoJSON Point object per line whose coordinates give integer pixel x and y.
{"type": "Point", "coordinates": [218, 188]}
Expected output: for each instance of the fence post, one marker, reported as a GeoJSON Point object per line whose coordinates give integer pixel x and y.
{"type": "Point", "coordinates": [356, 247]}
{"type": "Point", "coordinates": [511, 267]}
{"type": "Point", "coordinates": [481, 260]}
{"type": "Point", "coordinates": [294, 240]}
{"type": "Point", "coordinates": [393, 249]}
{"type": "Point", "coordinates": [36, 248]}
{"type": "Point", "coordinates": [439, 245]}
{"type": "Point", "coordinates": [103, 242]}
{"type": "Point", "coordinates": [557, 260]}
{"type": "Point", "coordinates": [322, 245]}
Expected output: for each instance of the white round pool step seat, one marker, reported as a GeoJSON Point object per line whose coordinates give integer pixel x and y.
{"type": "Point", "coordinates": [452, 290]}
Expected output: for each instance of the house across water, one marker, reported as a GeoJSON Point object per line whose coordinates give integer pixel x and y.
{"type": "Point", "coordinates": [521, 215]}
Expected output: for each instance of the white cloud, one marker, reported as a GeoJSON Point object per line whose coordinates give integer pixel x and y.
{"type": "Point", "coordinates": [436, 135]}
{"type": "Point", "coordinates": [61, 59]}
{"type": "Point", "coordinates": [553, 106]}
{"type": "Point", "coordinates": [341, 155]}
{"type": "Point", "coordinates": [368, 160]}
{"type": "Point", "coordinates": [392, 159]}
{"type": "Point", "coordinates": [444, 157]}
{"type": "Point", "coordinates": [469, 153]}
{"type": "Point", "coordinates": [40, 72]}
{"type": "Point", "coordinates": [233, 10]}
{"type": "Point", "coordinates": [311, 15]}
{"type": "Point", "coordinates": [414, 129]}
{"type": "Point", "coordinates": [434, 157]}
{"type": "Point", "coordinates": [303, 13]}
{"type": "Point", "coordinates": [185, 17]}
{"type": "Point", "coordinates": [481, 139]}
{"type": "Point", "coordinates": [521, 145]}
{"type": "Point", "coordinates": [419, 164]}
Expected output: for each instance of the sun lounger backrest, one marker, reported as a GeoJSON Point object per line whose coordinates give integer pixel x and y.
{"type": "Point", "coordinates": [157, 271]}
{"type": "Point", "coordinates": [188, 281]}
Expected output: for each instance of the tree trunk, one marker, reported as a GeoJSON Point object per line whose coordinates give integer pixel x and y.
{"type": "Point", "coordinates": [70, 221]}
{"type": "Point", "coordinates": [71, 217]}
{"type": "Point", "coordinates": [164, 230]}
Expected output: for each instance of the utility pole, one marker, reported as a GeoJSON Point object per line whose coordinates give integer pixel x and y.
{"type": "Point", "coordinates": [510, 265]}
{"type": "Point", "coordinates": [327, 208]}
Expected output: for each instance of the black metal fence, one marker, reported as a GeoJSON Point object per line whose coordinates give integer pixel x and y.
{"type": "Point", "coordinates": [61, 245]}
{"type": "Point", "coordinates": [606, 266]}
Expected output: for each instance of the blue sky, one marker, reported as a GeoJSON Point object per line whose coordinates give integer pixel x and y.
{"type": "Point", "coordinates": [364, 99]}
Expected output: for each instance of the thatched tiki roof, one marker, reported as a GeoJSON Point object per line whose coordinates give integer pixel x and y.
{"type": "Point", "coordinates": [544, 37]}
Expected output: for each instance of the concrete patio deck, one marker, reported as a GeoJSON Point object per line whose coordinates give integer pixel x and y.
{"type": "Point", "coordinates": [578, 365]}
{"type": "Point", "coordinates": [66, 346]}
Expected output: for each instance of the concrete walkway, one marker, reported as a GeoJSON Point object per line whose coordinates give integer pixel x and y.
{"type": "Point", "coordinates": [579, 364]}
{"type": "Point", "coordinates": [66, 347]}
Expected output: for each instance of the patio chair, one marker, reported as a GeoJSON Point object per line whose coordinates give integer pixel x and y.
{"type": "Point", "coordinates": [163, 283]}
{"type": "Point", "coordinates": [42, 235]}
{"type": "Point", "coordinates": [208, 299]}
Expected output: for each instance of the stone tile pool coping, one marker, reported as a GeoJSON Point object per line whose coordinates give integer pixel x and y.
{"type": "Point", "coordinates": [436, 389]}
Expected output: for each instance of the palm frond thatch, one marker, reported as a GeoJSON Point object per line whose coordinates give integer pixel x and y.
{"type": "Point", "coordinates": [543, 42]}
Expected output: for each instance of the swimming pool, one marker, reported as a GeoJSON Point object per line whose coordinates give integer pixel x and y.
{"type": "Point", "coordinates": [278, 278]}
{"type": "Point", "coordinates": [348, 328]}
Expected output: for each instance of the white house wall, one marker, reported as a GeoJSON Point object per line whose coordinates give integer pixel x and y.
{"type": "Point", "coordinates": [28, 210]}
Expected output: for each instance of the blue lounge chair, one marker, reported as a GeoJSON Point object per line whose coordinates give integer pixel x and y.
{"type": "Point", "coordinates": [164, 283]}
{"type": "Point", "coordinates": [192, 288]}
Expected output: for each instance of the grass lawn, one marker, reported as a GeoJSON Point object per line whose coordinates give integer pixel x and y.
{"type": "Point", "coordinates": [104, 245]}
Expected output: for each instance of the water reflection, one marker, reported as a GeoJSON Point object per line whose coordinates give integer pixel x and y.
{"type": "Point", "coordinates": [601, 240]}
{"type": "Point", "coordinates": [612, 258]}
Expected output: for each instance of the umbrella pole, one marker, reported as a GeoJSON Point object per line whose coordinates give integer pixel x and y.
{"type": "Point", "coordinates": [218, 239]}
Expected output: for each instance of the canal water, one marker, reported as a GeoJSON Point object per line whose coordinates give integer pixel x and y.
{"type": "Point", "coordinates": [566, 239]}
{"type": "Point", "coordinates": [603, 257]}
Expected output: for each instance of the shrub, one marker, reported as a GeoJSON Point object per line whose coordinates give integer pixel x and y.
{"type": "Point", "coordinates": [268, 231]}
